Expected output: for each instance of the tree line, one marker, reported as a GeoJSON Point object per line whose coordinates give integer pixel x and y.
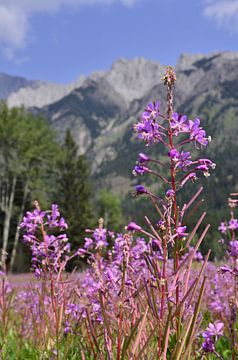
{"type": "Point", "coordinates": [34, 165]}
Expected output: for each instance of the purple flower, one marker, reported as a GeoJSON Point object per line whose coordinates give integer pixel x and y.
{"type": "Point", "coordinates": [88, 243]}
{"type": "Point", "coordinates": [81, 252]}
{"type": "Point", "coordinates": [181, 231]}
{"type": "Point", "coordinates": [55, 211]}
{"type": "Point", "coordinates": [72, 309]}
{"type": "Point", "coordinates": [155, 245]}
{"type": "Point", "coordinates": [212, 333]}
{"type": "Point", "coordinates": [48, 252]}
{"type": "Point", "coordinates": [178, 123]}
{"type": "Point", "coordinates": [207, 162]}
{"type": "Point", "coordinates": [139, 170]}
{"type": "Point", "coordinates": [147, 128]}
{"type": "Point", "coordinates": [197, 133]}
{"type": "Point", "coordinates": [215, 329]}
{"type": "Point", "coordinates": [208, 345]}
{"type": "Point", "coordinates": [111, 275]}
{"type": "Point", "coordinates": [37, 273]}
{"type": "Point", "coordinates": [100, 236]}
{"type": "Point", "coordinates": [132, 226]}
{"type": "Point", "coordinates": [222, 228]}
{"type": "Point", "coordinates": [148, 131]}
{"type": "Point", "coordinates": [174, 154]}
{"type": "Point", "coordinates": [140, 189]}
{"type": "Point", "coordinates": [67, 329]}
{"type": "Point", "coordinates": [233, 248]}
{"type": "Point", "coordinates": [225, 269]}
{"type": "Point", "coordinates": [198, 256]}
{"type": "Point", "coordinates": [184, 160]}
{"type": "Point", "coordinates": [152, 111]}
{"type": "Point", "coordinates": [233, 224]}
{"type": "Point", "coordinates": [192, 176]}
{"type": "Point", "coordinates": [29, 239]}
{"type": "Point", "coordinates": [203, 168]}
{"type": "Point", "coordinates": [170, 193]}
{"type": "Point", "coordinates": [62, 224]}
{"type": "Point", "coordinates": [139, 249]}
{"type": "Point", "coordinates": [36, 216]}
{"type": "Point", "coordinates": [31, 220]}
{"type": "Point", "coordinates": [143, 158]}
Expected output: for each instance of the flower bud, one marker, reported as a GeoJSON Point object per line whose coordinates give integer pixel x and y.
{"type": "Point", "coordinates": [132, 226]}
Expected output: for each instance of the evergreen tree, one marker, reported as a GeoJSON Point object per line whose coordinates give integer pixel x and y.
{"type": "Point", "coordinates": [74, 191]}
{"type": "Point", "coordinates": [27, 154]}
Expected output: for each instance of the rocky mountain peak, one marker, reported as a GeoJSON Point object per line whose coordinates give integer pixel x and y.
{"type": "Point", "coordinates": [186, 61]}
{"type": "Point", "coordinates": [132, 78]}
{"type": "Point", "coordinates": [42, 93]}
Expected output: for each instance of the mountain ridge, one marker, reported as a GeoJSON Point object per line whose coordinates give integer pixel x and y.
{"type": "Point", "coordinates": [101, 110]}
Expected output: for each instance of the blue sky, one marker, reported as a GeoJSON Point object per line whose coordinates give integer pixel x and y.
{"type": "Point", "coordinates": [59, 40]}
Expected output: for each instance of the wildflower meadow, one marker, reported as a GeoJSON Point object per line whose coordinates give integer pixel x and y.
{"type": "Point", "coordinates": [145, 292]}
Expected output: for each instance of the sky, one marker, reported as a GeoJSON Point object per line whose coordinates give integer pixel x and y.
{"type": "Point", "coordinates": [60, 40]}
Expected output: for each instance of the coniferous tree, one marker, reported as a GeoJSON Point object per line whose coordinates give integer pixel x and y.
{"type": "Point", "coordinates": [74, 191]}
{"type": "Point", "coordinates": [28, 151]}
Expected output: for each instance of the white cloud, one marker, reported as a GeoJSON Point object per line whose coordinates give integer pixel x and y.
{"type": "Point", "coordinates": [15, 16]}
{"type": "Point", "coordinates": [13, 26]}
{"type": "Point", "coordinates": [223, 12]}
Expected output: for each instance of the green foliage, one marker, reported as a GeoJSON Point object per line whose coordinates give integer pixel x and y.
{"type": "Point", "coordinates": [73, 191]}
{"type": "Point", "coordinates": [28, 151]}
{"type": "Point", "coordinates": [110, 209]}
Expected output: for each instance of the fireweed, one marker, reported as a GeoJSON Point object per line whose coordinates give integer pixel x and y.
{"type": "Point", "coordinates": [141, 295]}
{"type": "Point", "coordinates": [229, 272]}
{"type": "Point", "coordinates": [47, 301]}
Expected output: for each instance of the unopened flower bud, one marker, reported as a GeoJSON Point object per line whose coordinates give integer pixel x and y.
{"type": "Point", "coordinates": [132, 226]}
{"type": "Point", "coordinates": [170, 76]}
{"type": "Point", "coordinates": [140, 189]}
{"type": "Point", "coordinates": [143, 158]}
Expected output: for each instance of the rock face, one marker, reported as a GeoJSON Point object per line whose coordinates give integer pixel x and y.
{"type": "Point", "coordinates": [133, 78]}
{"type": "Point", "coordinates": [101, 109]}
{"type": "Point", "coordinates": [41, 93]}
{"type": "Point", "coordinates": [10, 84]}
{"type": "Point", "coordinates": [87, 111]}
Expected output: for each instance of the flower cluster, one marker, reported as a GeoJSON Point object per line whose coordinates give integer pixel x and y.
{"type": "Point", "coordinates": [48, 250]}
{"type": "Point", "coordinates": [151, 131]}
{"type": "Point", "coordinates": [98, 240]}
{"type": "Point", "coordinates": [229, 230]}
{"type": "Point", "coordinates": [156, 127]}
{"type": "Point", "coordinates": [105, 275]}
{"type": "Point", "coordinates": [147, 128]}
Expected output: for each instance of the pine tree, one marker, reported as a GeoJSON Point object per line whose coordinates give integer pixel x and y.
{"type": "Point", "coordinates": [74, 191]}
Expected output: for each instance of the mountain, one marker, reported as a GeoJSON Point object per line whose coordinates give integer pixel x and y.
{"type": "Point", "coordinates": [10, 84]}
{"type": "Point", "coordinates": [101, 109]}
{"type": "Point", "coordinates": [41, 93]}
{"type": "Point", "coordinates": [18, 91]}
{"type": "Point", "coordinates": [131, 79]}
